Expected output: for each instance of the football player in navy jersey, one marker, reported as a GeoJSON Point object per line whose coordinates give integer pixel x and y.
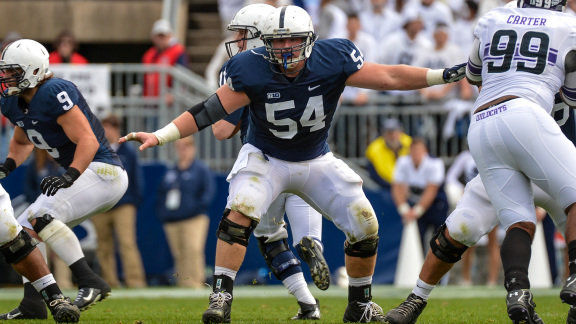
{"type": "Point", "coordinates": [305, 222]}
{"type": "Point", "coordinates": [292, 87]}
{"type": "Point", "coordinates": [51, 114]}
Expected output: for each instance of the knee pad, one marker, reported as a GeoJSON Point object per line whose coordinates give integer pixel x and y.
{"type": "Point", "coordinates": [363, 249]}
{"type": "Point", "coordinates": [42, 222]}
{"type": "Point", "coordinates": [444, 249]}
{"type": "Point", "coordinates": [17, 249]}
{"type": "Point", "coordinates": [46, 227]}
{"type": "Point", "coordinates": [279, 258]}
{"type": "Point", "coordinates": [231, 233]}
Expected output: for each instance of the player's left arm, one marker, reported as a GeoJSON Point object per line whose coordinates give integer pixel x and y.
{"type": "Point", "coordinates": [78, 130]}
{"type": "Point", "coordinates": [402, 77]}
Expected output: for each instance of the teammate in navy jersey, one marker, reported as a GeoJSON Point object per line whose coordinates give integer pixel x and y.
{"type": "Point", "coordinates": [292, 87]}
{"type": "Point", "coordinates": [305, 222]}
{"type": "Point", "coordinates": [51, 114]}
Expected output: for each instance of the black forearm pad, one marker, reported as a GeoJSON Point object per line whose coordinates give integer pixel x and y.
{"type": "Point", "coordinates": [10, 164]}
{"type": "Point", "coordinates": [208, 112]}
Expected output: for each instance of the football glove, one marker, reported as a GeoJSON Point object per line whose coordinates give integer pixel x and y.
{"type": "Point", "coordinates": [51, 184]}
{"type": "Point", "coordinates": [455, 73]}
{"type": "Point", "coordinates": [8, 166]}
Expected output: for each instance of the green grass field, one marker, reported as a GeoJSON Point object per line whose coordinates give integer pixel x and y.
{"type": "Point", "coordinates": [271, 304]}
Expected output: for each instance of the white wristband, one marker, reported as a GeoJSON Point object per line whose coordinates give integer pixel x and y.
{"type": "Point", "coordinates": [435, 77]}
{"type": "Point", "coordinates": [418, 211]}
{"type": "Point", "coordinates": [167, 134]}
{"type": "Point", "coordinates": [403, 209]}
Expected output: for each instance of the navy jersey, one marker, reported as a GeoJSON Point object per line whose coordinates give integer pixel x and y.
{"type": "Point", "coordinates": [38, 120]}
{"type": "Point", "coordinates": [565, 118]}
{"type": "Point", "coordinates": [290, 118]}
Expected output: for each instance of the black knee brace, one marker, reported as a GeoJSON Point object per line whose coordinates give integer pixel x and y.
{"type": "Point", "coordinates": [363, 249]}
{"type": "Point", "coordinates": [17, 249]}
{"type": "Point", "coordinates": [279, 258]}
{"type": "Point", "coordinates": [231, 233]}
{"type": "Point", "coordinates": [444, 249]}
{"type": "Point", "coordinates": [42, 222]}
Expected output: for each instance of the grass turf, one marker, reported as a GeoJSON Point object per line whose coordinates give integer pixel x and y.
{"type": "Point", "coordinates": [270, 305]}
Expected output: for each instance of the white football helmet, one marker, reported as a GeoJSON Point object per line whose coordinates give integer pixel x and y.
{"type": "Point", "coordinates": [23, 64]}
{"type": "Point", "coordinates": [556, 5]}
{"type": "Point", "coordinates": [249, 19]}
{"type": "Point", "coordinates": [289, 22]}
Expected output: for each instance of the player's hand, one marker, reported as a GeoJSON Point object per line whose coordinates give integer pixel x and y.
{"type": "Point", "coordinates": [455, 73]}
{"type": "Point", "coordinates": [8, 166]}
{"type": "Point", "coordinates": [147, 139]}
{"type": "Point", "coordinates": [51, 184]}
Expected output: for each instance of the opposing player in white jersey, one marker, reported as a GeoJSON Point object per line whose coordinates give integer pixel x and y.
{"type": "Point", "coordinates": [292, 87]}
{"type": "Point", "coordinates": [522, 57]}
{"type": "Point", "coordinates": [474, 217]}
{"type": "Point", "coordinates": [305, 222]}
{"type": "Point", "coordinates": [51, 114]}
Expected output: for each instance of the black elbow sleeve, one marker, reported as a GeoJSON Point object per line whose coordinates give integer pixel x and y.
{"type": "Point", "coordinates": [208, 112]}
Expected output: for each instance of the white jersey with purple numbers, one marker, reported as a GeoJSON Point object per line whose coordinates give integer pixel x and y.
{"type": "Point", "coordinates": [522, 52]}
{"type": "Point", "coordinates": [289, 119]}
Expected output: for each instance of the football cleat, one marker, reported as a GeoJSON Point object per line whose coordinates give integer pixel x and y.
{"type": "Point", "coordinates": [568, 292]}
{"type": "Point", "coordinates": [520, 305]}
{"type": "Point", "coordinates": [407, 312]}
{"type": "Point", "coordinates": [16, 313]}
{"type": "Point", "coordinates": [308, 311]}
{"type": "Point", "coordinates": [571, 319]}
{"type": "Point", "coordinates": [219, 309]}
{"type": "Point", "coordinates": [87, 297]}
{"type": "Point", "coordinates": [311, 253]}
{"type": "Point", "coordinates": [63, 310]}
{"type": "Point", "coordinates": [363, 312]}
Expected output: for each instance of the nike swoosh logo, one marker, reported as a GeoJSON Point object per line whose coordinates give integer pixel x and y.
{"type": "Point", "coordinates": [312, 88]}
{"type": "Point", "coordinates": [569, 283]}
{"type": "Point", "coordinates": [34, 122]}
{"type": "Point", "coordinates": [13, 316]}
{"type": "Point", "coordinates": [89, 297]}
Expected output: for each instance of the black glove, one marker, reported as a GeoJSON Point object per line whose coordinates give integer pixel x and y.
{"type": "Point", "coordinates": [51, 184]}
{"type": "Point", "coordinates": [455, 73]}
{"type": "Point", "coordinates": [8, 166]}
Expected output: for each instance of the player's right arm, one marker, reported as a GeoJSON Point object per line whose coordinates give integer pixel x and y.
{"type": "Point", "coordinates": [474, 66]}
{"type": "Point", "coordinates": [20, 146]}
{"type": "Point", "coordinates": [200, 116]}
{"type": "Point", "coordinates": [568, 90]}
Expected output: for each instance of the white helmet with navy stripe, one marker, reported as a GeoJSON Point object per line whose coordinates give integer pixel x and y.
{"type": "Point", "coordinates": [23, 64]}
{"type": "Point", "coordinates": [289, 22]}
{"type": "Point", "coordinates": [556, 5]}
{"type": "Point", "coordinates": [249, 19]}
